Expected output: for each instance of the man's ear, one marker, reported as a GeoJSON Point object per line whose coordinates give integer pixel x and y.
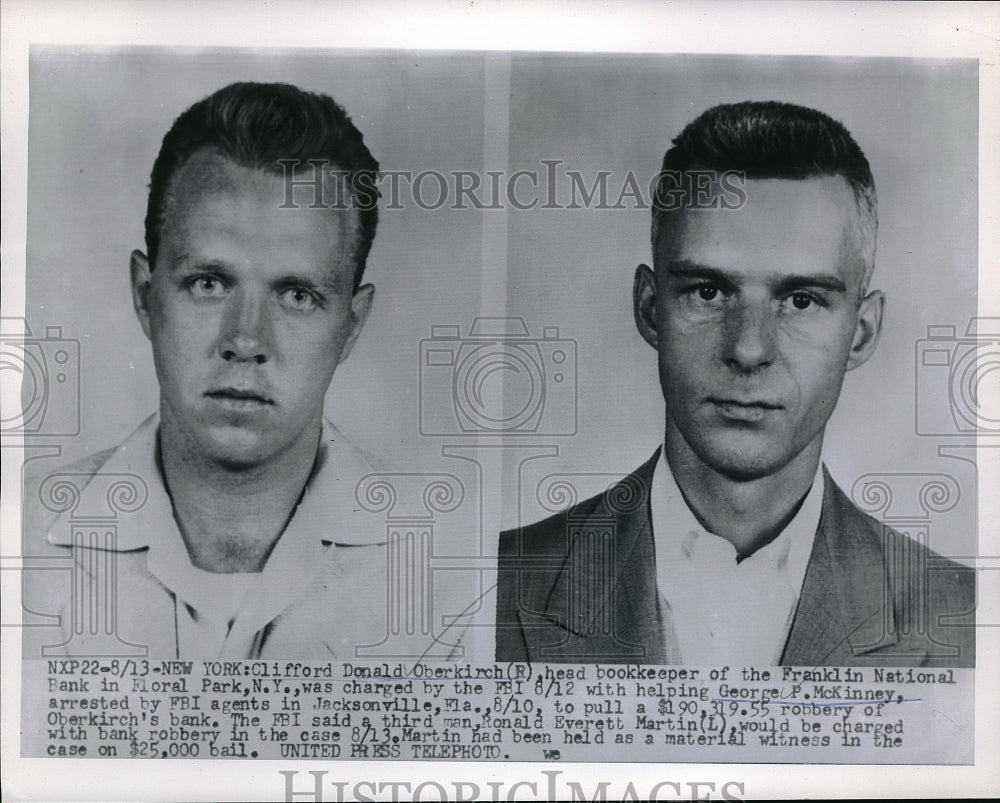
{"type": "Point", "coordinates": [141, 275]}
{"type": "Point", "coordinates": [361, 305]}
{"type": "Point", "coordinates": [644, 304]}
{"type": "Point", "coordinates": [867, 330]}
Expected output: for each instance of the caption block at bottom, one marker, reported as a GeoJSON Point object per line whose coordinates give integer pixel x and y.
{"type": "Point", "coordinates": [300, 710]}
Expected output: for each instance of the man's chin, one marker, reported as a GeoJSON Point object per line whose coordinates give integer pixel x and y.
{"type": "Point", "coordinates": [237, 448]}
{"type": "Point", "coordinates": [238, 460]}
{"type": "Point", "coordinates": [742, 462]}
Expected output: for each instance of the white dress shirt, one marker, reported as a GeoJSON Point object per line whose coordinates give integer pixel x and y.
{"type": "Point", "coordinates": [229, 615]}
{"type": "Point", "coordinates": [717, 611]}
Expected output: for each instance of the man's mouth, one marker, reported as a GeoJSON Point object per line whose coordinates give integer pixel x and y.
{"type": "Point", "coordinates": [239, 398]}
{"type": "Point", "coordinates": [742, 410]}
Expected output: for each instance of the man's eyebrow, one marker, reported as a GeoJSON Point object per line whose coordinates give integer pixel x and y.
{"type": "Point", "coordinates": [187, 262]}
{"type": "Point", "coordinates": [310, 282]}
{"type": "Point", "coordinates": [820, 281]}
{"type": "Point", "coordinates": [685, 268]}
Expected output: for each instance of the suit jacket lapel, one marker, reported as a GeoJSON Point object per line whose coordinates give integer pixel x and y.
{"type": "Point", "coordinates": [845, 609]}
{"type": "Point", "coordinates": [604, 600]}
{"type": "Point", "coordinates": [607, 609]}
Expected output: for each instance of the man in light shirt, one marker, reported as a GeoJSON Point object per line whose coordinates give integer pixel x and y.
{"type": "Point", "coordinates": [732, 544]}
{"type": "Point", "coordinates": [240, 536]}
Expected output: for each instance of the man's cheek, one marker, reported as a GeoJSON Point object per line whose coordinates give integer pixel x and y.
{"type": "Point", "coordinates": [688, 356]}
{"type": "Point", "coordinates": [681, 326]}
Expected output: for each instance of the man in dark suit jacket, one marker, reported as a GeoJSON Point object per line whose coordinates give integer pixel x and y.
{"type": "Point", "coordinates": [732, 544]}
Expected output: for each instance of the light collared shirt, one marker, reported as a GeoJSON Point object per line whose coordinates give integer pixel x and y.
{"type": "Point", "coordinates": [718, 611]}
{"type": "Point", "coordinates": [229, 615]}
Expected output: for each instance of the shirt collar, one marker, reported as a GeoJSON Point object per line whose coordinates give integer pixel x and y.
{"type": "Point", "coordinates": [677, 530]}
{"type": "Point", "coordinates": [328, 511]}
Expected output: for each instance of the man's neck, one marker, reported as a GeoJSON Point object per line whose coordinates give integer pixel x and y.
{"type": "Point", "coordinates": [747, 513]}
{"type": "Point", "coordinates": [231, 518]}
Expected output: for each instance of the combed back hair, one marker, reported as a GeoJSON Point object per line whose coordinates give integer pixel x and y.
{"type": "Point", "coordinates": [768, 139]}
{"type": "Point", "coordinates": [258, 126]}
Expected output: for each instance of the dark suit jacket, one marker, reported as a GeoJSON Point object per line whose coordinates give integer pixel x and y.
{"type": "Point", "coordinates": [580, 587]}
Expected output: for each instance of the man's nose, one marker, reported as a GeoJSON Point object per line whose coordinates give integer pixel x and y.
{"type": "Point", "coordinates": [246, 329]}
{"type": "Point", "coordinates": [751, 337]}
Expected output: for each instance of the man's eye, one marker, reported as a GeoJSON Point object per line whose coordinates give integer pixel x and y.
{"type": "Point", "coordinates": [299, 298]}
{"type": "Point", "coordinates": [707, 292]}
{"type": "Point", "coordinates": [206, 287]}
{"type": "Point", "coordinates": [802, 301]}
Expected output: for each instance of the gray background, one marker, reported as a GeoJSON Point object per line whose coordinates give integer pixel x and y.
{"type": "Point", "coordinates": [97, 117]}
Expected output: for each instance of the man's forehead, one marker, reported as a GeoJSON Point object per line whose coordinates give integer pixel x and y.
{"type": "Point", "coordinates": [784, 225]}
{"type": "Point", "coordinates": [208, 184]}
{"type": "Point", "coordinates": [207, 172]}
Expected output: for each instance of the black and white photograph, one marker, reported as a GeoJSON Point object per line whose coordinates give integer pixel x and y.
{"type": "Point", "coordinates": [387, 404]}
